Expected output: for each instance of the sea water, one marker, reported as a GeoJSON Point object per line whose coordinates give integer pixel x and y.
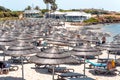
{"type": "Point", "coordinates": [113, 29]}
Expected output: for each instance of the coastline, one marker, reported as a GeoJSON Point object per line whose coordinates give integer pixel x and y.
{"type": "Point", "coordinates": [82, 24]}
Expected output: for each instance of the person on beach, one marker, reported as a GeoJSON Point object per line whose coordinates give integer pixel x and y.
{"type": "Point", "coordinates": [113, 64]}
{"type": "Point", "coordinates": [2, 65]}
{"type": "Point", "coordinates": [103, 39]}
{"type": "Point", "coordinates": [109, 65]}
{"type": "Point", "coordinates": [98, 42]}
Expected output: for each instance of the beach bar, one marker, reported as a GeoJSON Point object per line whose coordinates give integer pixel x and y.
{"type": "Point", "coordinates": [32, 13]}
{"type": "Point", "coordinates": [69, 16]}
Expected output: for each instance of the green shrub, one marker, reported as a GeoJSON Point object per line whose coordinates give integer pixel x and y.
{"type": "Point", "coordinates": [91, 20]}
{"type": "Point", "coordinates": [1, 15]}
{"type": "Point", "coordinates": [7, 14]}
{"type": "Point", "coordinates": [14, 14]}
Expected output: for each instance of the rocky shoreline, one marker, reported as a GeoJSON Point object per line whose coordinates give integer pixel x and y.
{"type": "Point", "coordinates": [99, 20]}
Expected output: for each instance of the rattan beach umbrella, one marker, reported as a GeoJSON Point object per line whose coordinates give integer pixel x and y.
{"type": "Point", "coordinates": [76, 41]}
{"type": "Point", "coordinates": [1, 32]}
{"type": "Point", "coordinates": [91, 39]}
{"type": "Point", "coordinates": [57, 40]}
{"type": "Point", "coordinates": [2, 48]}
{"type": "Point", "coordinates": [52, 56]}
{"type": "Point", "coordinates": [58, 43]}
{"type": "Point", "coordinates": [116, 37]}
{"type": "Point", "coordinates": [37, 34]}
{"type": "Point", "coordinates": [110, 47]}
{"type": "Point", "coordinates": [86, 33]}
{"type": "Point", "coordinates": [25, 37]}
{"type": "Point", "coordinates": [85, 50]}
{"type": "Point", "coordinates": [22, 49]}
{"type": "Point", "coordinates": [14, 34]}
{"type": "Point", "coordinates": [92, 27]}
{"type": "Point", "coordinates": [107, 34]}
{"type": "Point", "coordinates": [116, 42]}
{"type": "Point", "coordinates": [5, 40]}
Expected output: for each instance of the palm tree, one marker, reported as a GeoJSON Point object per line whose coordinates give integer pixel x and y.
{"type": "Point", "coordinates": [47, 2]}
{"type": "Point", "coordinates": [54, 6]}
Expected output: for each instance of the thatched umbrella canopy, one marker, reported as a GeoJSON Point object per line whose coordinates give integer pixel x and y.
{"type": "Point", "coordinates": [116, 37]}
{"type": "Point", "coordinates": [75, 40]}
{"type": "Point", "coordinates": [6, 40]}
{"type": "Point", "coordinates": [14, 34]}
{"type": "Point", "coordinates": [57, 40]}
{"type": "Point", "coordinates": [85, 50]}
{"type": "Point", "coordinates": [52, 56]}
{"type": "Point", "coordinates": [91, 39]}
{"type": "Point", "coordinates": [22, 49]}
{"type": "Point", "coordinates": [37, 34]}
{"type": "Point", "coordinates": [25, 37]}
{"type": "Point", "coordinates": [110, 47]}
{"type": "Point", "coordinates": [2, 48]}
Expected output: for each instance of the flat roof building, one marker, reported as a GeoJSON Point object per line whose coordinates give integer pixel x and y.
{"type": "Point", "coordinates": [32, 13]}
{"type": "Point", "coordinates": [69, 16]}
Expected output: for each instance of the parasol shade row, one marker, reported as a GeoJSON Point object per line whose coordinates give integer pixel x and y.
{"type": "Point", "coordinates": [22, 48]}
{"type": "Point", "coordinates": [53, 50]}
{"type": "Point", "coordinates": [25, 37]}
{"type": "Point", "coordinates": [85, 50]}
{"type": "Point", "coordinates": [54, 55]}
{"type": "Point", "coordinates": [80, 53]}
{"type": "Point", "coordinates": [36, 59]}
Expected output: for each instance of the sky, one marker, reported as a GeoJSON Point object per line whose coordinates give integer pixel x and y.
{"type": "Point", "coordinates": [112, 5]}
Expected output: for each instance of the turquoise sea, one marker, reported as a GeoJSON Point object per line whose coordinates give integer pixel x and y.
{"type": "Point", "coordinates": [114, 29]}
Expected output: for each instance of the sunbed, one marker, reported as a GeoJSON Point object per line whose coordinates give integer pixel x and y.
{"type": "Point", "coordinates": [69, 75]}
{"type": "Point", "coordinates": [94, 64]}
{"type": "Point", "coordinates": [105, 71]}
{"type": "Point", "coordinates": [60, 70]}
{"type": "Point", "coordinates": [8, 67]}
{"type": "Point", "coordinates": [87, 78]}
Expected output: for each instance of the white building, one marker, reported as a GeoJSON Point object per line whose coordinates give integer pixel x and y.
{"type": "Point", "coordinates": [77, 16]}
{"type": "Point", "coordinates": [31, 13]}
{"type": "Point", "coordinates": [70, 16]}
{"type": "Point", "coordinates": [56, 15]}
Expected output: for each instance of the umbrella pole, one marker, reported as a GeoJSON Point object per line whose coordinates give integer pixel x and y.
{"type": "Point", "coordinates": [22, 68]}
{"type": "Point", "coordinates": [53, 72]}
{"type": "Point", "coordinates": [98, 57]}
{"type": "Point", "coordinates": [84, 65]}
{"type": "Point", "coordinates": [115, 56]}
{"type": "Point", "coordinates": [68, 48]}
{"type": "Point", "coordinates": [4, 57]}
{"type": "Point", "coordinates": [108, 54]}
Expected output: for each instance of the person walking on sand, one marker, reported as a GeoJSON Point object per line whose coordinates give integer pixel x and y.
{"type": "Point", "coordinates": [103, 39]}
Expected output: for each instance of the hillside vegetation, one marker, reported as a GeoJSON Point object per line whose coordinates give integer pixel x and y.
{"type": "Point", "coordinates": [5, 13]}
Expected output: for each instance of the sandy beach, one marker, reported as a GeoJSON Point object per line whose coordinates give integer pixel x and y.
{"type": "Point", "coordinates": [31, 73]}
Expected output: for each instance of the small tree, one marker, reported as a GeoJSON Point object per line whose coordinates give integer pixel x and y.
{"type": "Point", "coordinates": [28, 8]}
{"type": "Point", "coordinates": [1, 15]}
{"type": "Point", "coordinates": [7, 14]}
{"type": "Point", "coordinates": [37, 8]}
